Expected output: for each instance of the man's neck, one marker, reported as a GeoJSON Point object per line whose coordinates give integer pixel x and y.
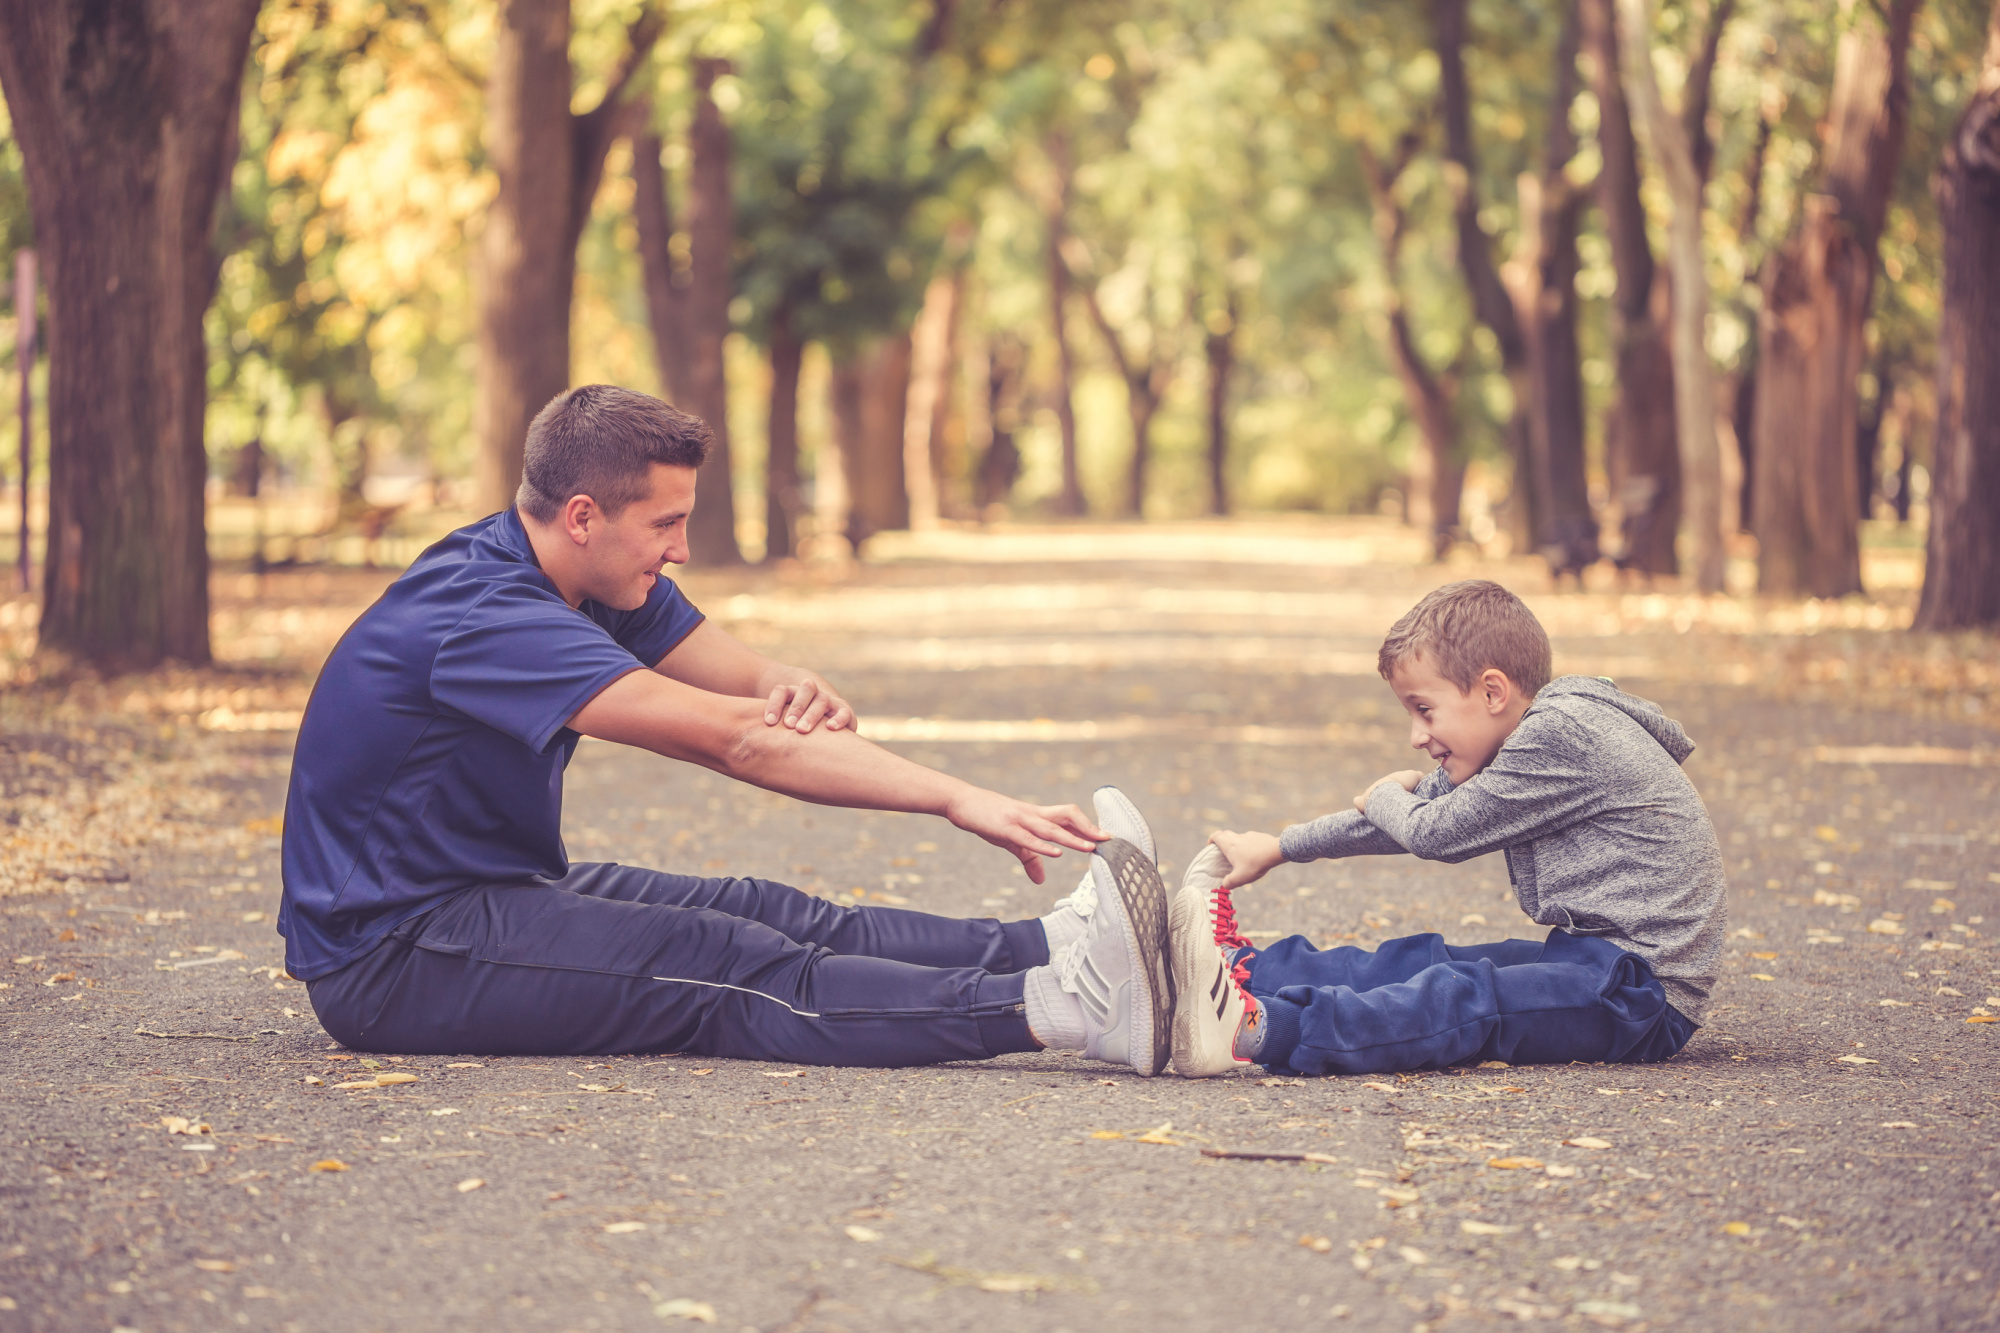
{"type": "Point", "coordinates": [551, 553]}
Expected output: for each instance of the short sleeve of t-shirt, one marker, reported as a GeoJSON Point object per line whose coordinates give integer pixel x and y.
{"type": "Point", "coordinates": [522, 661]}
{"type": "Point", "coordinates": [652, 631]}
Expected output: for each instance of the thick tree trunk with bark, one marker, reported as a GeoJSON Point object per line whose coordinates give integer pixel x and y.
{"type": "Point", "coordinates": [1000, 458]}
{"type": "Point", "coordinates": [1437, 475]}
{"type": "Point", "coordinates": [784, 502]}
{"type": "Point", "coordinates": [1145, 388]}
{"type": "Point", "coordinates": [1962, 578]}
{"type": "Point", "coordinates": [125, 111]}
{"type": "Point", "coordinates": [933, 348]}
{"type": "Point", "coordinates": [667, 286]}
{"type": "Point", "coordinates": [870, 404]}
{"type": "Point", "coordinates": [548, 163]}
{"type": "Point", "coordinates": [711, 222]}
{"type": "Point", "coordinates": [1491, 303]}
{"type": "Point", "coordinates": [1694, 377]}
{"type": "Point", "coordinates": [1640, 451]}
{"type": "Point", "coordinates": [1817, 290]}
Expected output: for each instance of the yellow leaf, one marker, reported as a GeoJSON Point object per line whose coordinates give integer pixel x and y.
{"type": "Point", "coordinates": [215, 1265]}
{"type": "Point", "coordinates": [328, 1164]}
{"type": "Point", "coordinates": [1983, 1018]}
{"type": "Point", "coordinates": [1762, 976]}
{"type": "Point", "coordinates": [700, 1312]}
{"type": "Point", "coordinates": [1472, 1228]}
{"type": "Point", "coordinates": [464, 1064]}
{"type": "Point", "coordinates": [1595, 1144]}
{"type": "Point", "coordinates": [1107, 1134]}
{"type": "Point", "coordinates": [467, 1186]}
{"type": "Point", "coordinates": [623, 1228]}
{"type": "Point", "coordinates": [1854, 1060]}
{"type": "Point", "coordinates": [390, 1080]}
{"type": "Point", "coordinates": [862, 1234]}
{"type": "Point", "coordinates": [1514, 1163]}
{"type": "Point", "coordinates": [358, 1083]}
{"type": "Point", "coordinates": [1560, 1170]}
{"type": "Point", "coordinates": [1736, 1228]}
{"type": "Point", "coordinates": [1765, 956]}
{"type": "Point", "coordinates": [1884, 927]}
{"type": "Point", "coordinates": [1893, 1004]}
{"type": "Point", "coordinates": [1827, 833]}
{"type": "Point", "coordinates": [1380, 1087]}
{"type": "Point", "coordinates": [1317, 1244]}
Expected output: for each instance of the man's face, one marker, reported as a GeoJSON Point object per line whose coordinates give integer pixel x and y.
{"type": "Point", "coordinates": [624, 555]}
{"type": "Point", "coordinates": [1461, 730]}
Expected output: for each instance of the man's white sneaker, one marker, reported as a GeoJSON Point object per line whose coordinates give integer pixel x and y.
{"type": "Point", "coordinates": [1215, 1017]}
{"type": "Point", "coordinates": [1070, 917]}
{"type": "Point", "coordinates": [1118, 970]}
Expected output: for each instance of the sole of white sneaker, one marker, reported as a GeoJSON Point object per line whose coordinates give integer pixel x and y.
{"type": "Point", "coordinates": [1144, 900]}
{"type": "Point", "coordinates": [1115, 809]}
{"type": "Point", "coordinates": [1206, 1004]}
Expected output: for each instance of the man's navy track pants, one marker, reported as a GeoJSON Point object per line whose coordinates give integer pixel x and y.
{"type": "Point", "coordinates": [618, 959]}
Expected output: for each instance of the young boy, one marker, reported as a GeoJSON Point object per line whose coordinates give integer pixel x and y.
{"type": "Point", "coordinates": [1605, 838]}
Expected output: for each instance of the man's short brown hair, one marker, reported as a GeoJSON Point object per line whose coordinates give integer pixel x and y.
{"type": "Point", "coordinates": [1464, 628]}
{"type": "Point", "coordinates": [601, 441]}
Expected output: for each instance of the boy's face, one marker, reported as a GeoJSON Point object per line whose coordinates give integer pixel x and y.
{"type": "Point", "coordinates": [1460, 729]}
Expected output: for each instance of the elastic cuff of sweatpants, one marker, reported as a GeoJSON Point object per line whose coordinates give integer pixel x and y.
{"type": "Point", "coordinates": [1027, 945]}
{"type": "Point", "coordinates": [1281, 1030]}
{"type": "Point", "coordinates": [1002, 1014]}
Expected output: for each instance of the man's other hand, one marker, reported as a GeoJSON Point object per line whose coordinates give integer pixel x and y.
{"type": "Point", "coordinates": [1251, 856]}
{"type": "Point", "coordinates": [1407, 780]}
{"type": "Point", "coordinates": [804, 701]}
{"type": "Point", "coordinates": [1028, 831]}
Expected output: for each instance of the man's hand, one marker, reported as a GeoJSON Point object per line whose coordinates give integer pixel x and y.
{"type": "Point", "coordinates": [1028, 831]}
{"type": "Point", "coordinates": [803, 700]}
{"type": "Point", "coordinates": [1251, 856]}
{"type": "Point", "coordinates": [1407, 780]}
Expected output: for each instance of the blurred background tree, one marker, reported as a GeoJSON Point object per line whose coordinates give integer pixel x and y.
{"type": "Point", "coordinates": [948, 260]}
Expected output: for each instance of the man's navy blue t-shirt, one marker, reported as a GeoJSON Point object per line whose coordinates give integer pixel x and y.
{"type": "Point", "coordinates": [432, 751]}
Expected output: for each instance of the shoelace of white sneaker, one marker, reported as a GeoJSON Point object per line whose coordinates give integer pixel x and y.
{"type": "Point", "coordinates": [1082, 899]}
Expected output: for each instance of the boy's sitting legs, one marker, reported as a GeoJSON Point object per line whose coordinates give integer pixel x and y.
{"type": "Point", "coordinates": [1419, 1003]}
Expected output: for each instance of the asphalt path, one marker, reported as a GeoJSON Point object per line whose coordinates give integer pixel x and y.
{"type": "Point", "coordinates": [178, 1153]}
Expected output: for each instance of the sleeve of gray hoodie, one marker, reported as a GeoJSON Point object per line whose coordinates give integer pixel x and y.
{"type": "Point", "coordinates": [1348, 833]}
{"type": "Point", "coordinates": [1541, 781]}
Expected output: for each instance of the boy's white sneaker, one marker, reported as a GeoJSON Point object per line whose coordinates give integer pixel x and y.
{"type": "Point", "coordinates": [1215, 1018]}
{"type": "Point", "coordinates": [1070, 917]}
{"type": "Point", "coordinates": [1117, 972]}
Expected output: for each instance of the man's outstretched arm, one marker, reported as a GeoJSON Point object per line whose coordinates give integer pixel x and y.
{"type": "Point", "coordinates": [712, 659]}
{"type": "Point", "coordinates": [829, 767]}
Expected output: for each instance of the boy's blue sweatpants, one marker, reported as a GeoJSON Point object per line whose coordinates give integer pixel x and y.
{"type": "Point", "coordinates": [619, 959]}
{"type": "Point", "coordinates": [1419, 1003]}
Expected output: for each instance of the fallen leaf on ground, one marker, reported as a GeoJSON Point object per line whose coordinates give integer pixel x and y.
{"type": "Point", "coordinates": [623, 1228]}
{"type": "Point", "coordinates": [1854, 1060]}
{"type": "Point", "coordinates": [1514, 1163]}
{"type": "Point", "coordinates": [1587, 1142]}
{"type": "Point", "coordinates": [862, 1234]}
{"type": "Point", "coordinates": [1494, 1064]}
{"type": "Point", "coordinates": [176, 1124]}
{"type": "Point", "coordinates": [996, 1282]}
{"type": "Point", "coordinates": [272, 1138]}
{"type": "Point", "coordinates": [1900, 1124]}
{"type": "Point", "coordinates": [215, 1265]}
{"type": "Point", "coordinates": [700, 1312]}
{"type": "Point", "coordinates": [467, 1186]}
{"type": "Point", "coordinates": [390, 1080]}
{"type": "Point", "coordinates": [1885, 928]}
{"type": "Point", "coordinates": [1765, 956]}
{"type": "Point", "coordinates": [1413, 1256]}
{"type": "Point", "coordinates": [446, 1110]}
{"type": "Point", "coordinates": [699, 1072]}
{"type": "Point", "coordinates": [1893, 1004]}
{"type": "Point", "coordinates": [1472, 1228]}
{"type": "Point", "coordinates": [1380, 1087]}
{"type": "Point", "coordinates": [328, 1164]}
{"type": "Point", "coordinates": [796, 1073]}
{"type": "Point", "coordinates": [1317, 1244]}
{"type": "Point", "coordinates": [1472, 919]}
{"type": "Point", "coordinates": [1300, 1083]}
{"type": "Point", "coordinates": [1762, 976]}
{"type": "Point", "coordinates": [1560, 1170]}
{"type": "Point", "coordinates": [1736, 1228]}
{"type": "Point", "coordinates": [1983, 1018]}
{"type": "Point", "coordinates": [464, 1064]}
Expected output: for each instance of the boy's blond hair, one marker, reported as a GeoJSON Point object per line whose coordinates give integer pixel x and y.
{"type": "Point", "coordinates": [1464, 628]}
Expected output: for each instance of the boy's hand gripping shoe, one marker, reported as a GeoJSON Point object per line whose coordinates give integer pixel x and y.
{"type": "Point", "coordinates": [1117, 971]}
{"type": "Point", "coordinates": [1216, 1019]}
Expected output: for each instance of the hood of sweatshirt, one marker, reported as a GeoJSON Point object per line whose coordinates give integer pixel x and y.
{"type": "Point", "coordinates": [1577, 694]}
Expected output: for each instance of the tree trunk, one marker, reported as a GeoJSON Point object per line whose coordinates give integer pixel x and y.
{"type": "Point", "coordinates": [1962, 578]}
{"type": "Point", "coordinates": [125, 113]}
{"type": "Point", "coordinates": [1219, 349]}
{"type": "Point", "coordinates": [666, 283]}
{"type": "Point", "coordinates": [1491, 303]}
{"type": "Point", "coordinates": [1817, 290]}
{"type": "Point", "coordinates": [870, 405]}
{"type": "Point", "coordinates": [1437, 476]}
{"type": "Point", "coordinates": [548, 163]}
{"type": "Point", "coordinates": [711, 239]}
{"type": "Point", "coordinates": [783, 502]}
{"type": "Point", "coordinates": [1640, 452]}
{"type": "Point", "coordinates": [25, 292]}
{"type": "Point", "coordinates": [931, 345]}
{"type": "Point", "coordinates": [1694, 377]}
{"type": "Point", "coordinates": [1145, 386]}
{"type": "Point", "coordinates": [1000, 460]}
{"type": "Point", "coordinates": [1070, 501]}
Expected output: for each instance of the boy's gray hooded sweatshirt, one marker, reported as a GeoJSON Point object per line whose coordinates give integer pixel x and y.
{"type": "Point", "coordinates": [1604, 835]}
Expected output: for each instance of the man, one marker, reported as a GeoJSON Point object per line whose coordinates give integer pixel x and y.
{"type": "Point", "coordinates": [429, 904]}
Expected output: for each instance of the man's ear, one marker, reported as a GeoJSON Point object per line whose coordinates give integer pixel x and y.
{"type": "Point", "coordinates": [579, 515]}
{"type": "Point", "coordinates": [1497, 689]}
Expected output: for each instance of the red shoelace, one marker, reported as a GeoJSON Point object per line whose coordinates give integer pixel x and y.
{"type": "Point", "coordinates": [1223, 910]}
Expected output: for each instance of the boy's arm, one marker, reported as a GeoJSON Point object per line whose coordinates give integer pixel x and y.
{"type": "Point", "coordinates": [1349, 832]}
{"type": "Point", "coordinates": [1541, 781]}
